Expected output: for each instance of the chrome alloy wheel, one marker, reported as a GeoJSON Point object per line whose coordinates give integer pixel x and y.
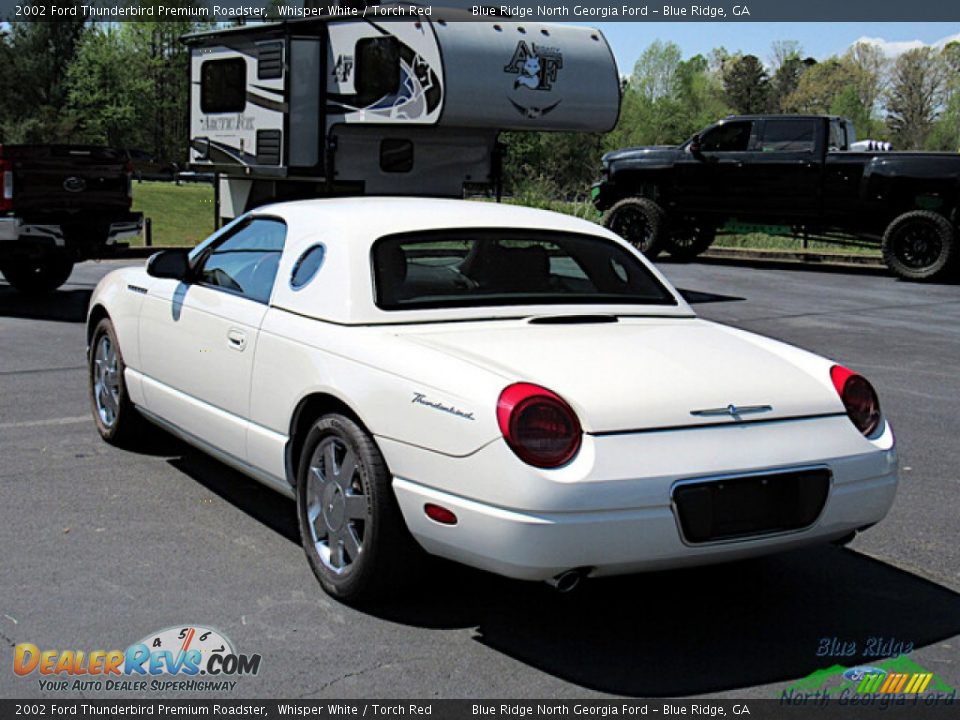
{"type": "Point", "coordinates": [106, 381]}
{"type": "Point", "coordinates": [338, 511]}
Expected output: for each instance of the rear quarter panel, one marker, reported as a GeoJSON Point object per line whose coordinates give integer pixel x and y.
{"type": "Point", "coordinates": [394, 387]}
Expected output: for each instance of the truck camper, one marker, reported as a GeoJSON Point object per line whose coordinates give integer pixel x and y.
{"type": "Point", "coordinates": [351, 105]}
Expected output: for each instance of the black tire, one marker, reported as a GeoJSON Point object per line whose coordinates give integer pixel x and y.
{"type": "Point", "coordinates": [36, 277]}
{"type": "Point", "coordinates": [920, 245]}
{"type": "Point", "coordinates": [688, 240]}
{"type": "Point", "coordinates": [116, 418]}
{"type": "Point", "coordinates": [356, 548]}
{"type": "Point", "coordinates": [639, 221]}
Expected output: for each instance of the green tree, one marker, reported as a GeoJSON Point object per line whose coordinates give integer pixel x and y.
{"type": "Point", "coordinates": [945, 134]}
{"type": "Point", "coordinates": [746, 84]}
{"type": "Point", "coordinates": [165, 101]}
{"type": "Point", "coordinates": [655, 72]}
{"type": "Point", "coordinates": [818, 87]}
{"type": "Point", "coordinates": [868, 67]}
{"type": "Point", "coordinates": [106, 82]}
{"type": "Point", "coordinates": [915, 96]}
{"type": "Point", "coordinates": [34, 58]}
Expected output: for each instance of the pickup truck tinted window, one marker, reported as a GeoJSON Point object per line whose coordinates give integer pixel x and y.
{"type": "Point", "coordinates": [472, 268]}
{"type": "Point", "coordinates": [788, 135]}
{"type": "Point", "coordinates": [729, 137]}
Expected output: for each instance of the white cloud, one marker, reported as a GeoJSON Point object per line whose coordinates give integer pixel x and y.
{"type": "Point", "coordinates": [893, 48]}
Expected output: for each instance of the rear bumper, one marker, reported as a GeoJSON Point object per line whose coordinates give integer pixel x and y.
{"type": "Point", "coordinates": [616, 523]}
{"type": "Point", "coordinates": [540, 546]}
{"type": "Point", "coordinates": [56, 235]}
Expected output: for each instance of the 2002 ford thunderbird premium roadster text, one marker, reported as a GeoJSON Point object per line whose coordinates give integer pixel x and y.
{"type": "Point", "coordinates": [462, 376]}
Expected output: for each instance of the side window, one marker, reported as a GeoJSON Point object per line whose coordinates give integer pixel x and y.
{"type": "Point", "coordinates": [794, 136]}
{"type": "Point", "coordinates": [223, 85]}
{"type": "Point", "coordinates": [729, 137]}
{"type": "Point", "coordinates": [246, 262]}
{"type": "Point", "coordinates": [838, 136]}
{"type": "Point", "coordinates": [377, 72]}
{"type": "Point", "coordinates": [307, 265]}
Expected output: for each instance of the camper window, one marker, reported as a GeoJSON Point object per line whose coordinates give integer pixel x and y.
{"type": "Point", "coordinates": [223, 86]}
{"type": "Point", "coordinates": [378, 68]}
{"type": "Point", "coordinates": [396, 155]}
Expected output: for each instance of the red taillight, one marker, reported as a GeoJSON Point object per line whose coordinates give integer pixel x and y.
{"type": "Point", "coordinates": [439, 514]}
{"type": "Point", "coordinates": [859, 398]}
{"type": "Point", "coordinates": [538, 425]}
{"type": "Point", "coordinates": [6, 184]}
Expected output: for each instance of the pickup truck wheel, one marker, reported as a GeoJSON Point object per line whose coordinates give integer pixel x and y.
{"type": "Point", "coordinates": [35, 277]}
{"type": "Point", "coordinates": [350, 524]}
{"type": "Point", "coordinates": [117, 420]}
{"type": "Point", "coordinates": [920, 245]}
{"type": "Point", "coordinates": [639, 221]}
{"type": "Point", "coordinates": [688, 241]}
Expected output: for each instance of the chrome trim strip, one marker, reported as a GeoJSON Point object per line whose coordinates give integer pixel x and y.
{"type": "Point", "coordinates": [724, 423]}
{"type": "Point", "coordinates": [734, 411]}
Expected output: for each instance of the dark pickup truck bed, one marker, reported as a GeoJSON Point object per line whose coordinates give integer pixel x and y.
{"type": "Point", "coordinates": [60, 204]}
{"type": "Point", "coordinates": [786, 170]}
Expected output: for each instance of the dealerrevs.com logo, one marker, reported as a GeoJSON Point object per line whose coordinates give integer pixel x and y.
{"type": "Point", "coordinates": [182, 658]}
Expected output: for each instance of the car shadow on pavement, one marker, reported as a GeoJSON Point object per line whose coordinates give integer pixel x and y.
{"type": "Point", "coordinates": [267, 506]}
{"type": "Point", "coordinates": [726, 627]}
{"type": "Point", "coordinates": [664, 634]}
{"type": "Point", "coordinates": [64, 305]}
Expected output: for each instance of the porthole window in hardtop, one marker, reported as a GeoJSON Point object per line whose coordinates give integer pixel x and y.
{"type": "Point", "coordinates": [307, 265]}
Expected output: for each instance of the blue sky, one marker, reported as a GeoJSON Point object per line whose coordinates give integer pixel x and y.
{"type": "Point", "coordinates": [628, 39]}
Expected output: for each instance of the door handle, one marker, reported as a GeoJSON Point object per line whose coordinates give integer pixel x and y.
{"type": "Point", "coordinates": [236, 339]}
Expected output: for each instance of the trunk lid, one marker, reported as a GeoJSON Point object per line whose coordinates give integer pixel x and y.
{"type": "Point", "coordinates": [640, 374]}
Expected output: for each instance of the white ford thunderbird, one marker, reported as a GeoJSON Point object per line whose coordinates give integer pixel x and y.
{"type": "Point", "coordinates": [514, 389]}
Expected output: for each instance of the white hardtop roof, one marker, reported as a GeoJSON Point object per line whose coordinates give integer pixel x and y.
{"type": "Point", "coordinates": [342, 290]}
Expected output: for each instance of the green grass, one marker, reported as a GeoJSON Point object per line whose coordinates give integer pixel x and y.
{"type": "Point", "coordinates": [755, 241]}
{"type": "Point", "coordinates": [183, 215]}
{"type": "Point", "coordinates": [761, 241]}
{"type": "Point", "coordinates": [180, 214]}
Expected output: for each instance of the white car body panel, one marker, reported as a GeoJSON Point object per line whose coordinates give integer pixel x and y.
{"type": "Point", "coordinates": [201, 343]}
{"type": "Point", "coordinates": [633, 384]}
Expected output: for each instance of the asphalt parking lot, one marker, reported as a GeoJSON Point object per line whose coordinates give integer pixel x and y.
{"type": "Point", "coordinates": [101, 547]}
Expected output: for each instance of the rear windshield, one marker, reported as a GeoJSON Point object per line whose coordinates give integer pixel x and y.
{"type": "Point", "coordinates": [470, 268]}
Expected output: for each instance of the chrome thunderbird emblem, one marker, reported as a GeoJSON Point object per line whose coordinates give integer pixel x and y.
{"type": "Point", "coordinates": [732, 410]}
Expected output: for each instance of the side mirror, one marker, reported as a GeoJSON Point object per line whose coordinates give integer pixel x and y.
{"type": "Point", "coordinates": [173, 264]}
{"type": "Point", "coordinates": [695, 149]}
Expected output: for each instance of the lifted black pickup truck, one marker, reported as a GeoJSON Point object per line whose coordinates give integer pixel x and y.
{"type": "Point", "coordinates": [786, 170]}
{"type": "Point", "coordinates": [60, 204]}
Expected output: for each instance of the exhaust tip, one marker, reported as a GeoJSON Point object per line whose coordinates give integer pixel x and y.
{"type": "Point", "coordinates": [566, 582]}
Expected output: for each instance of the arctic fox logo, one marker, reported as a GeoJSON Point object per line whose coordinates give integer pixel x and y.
{"type": "Point", "coordinates": [535, 66]}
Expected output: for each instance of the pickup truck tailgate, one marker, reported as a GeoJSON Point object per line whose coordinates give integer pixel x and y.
{"type": "Point", "coordinates": [64, 177]}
